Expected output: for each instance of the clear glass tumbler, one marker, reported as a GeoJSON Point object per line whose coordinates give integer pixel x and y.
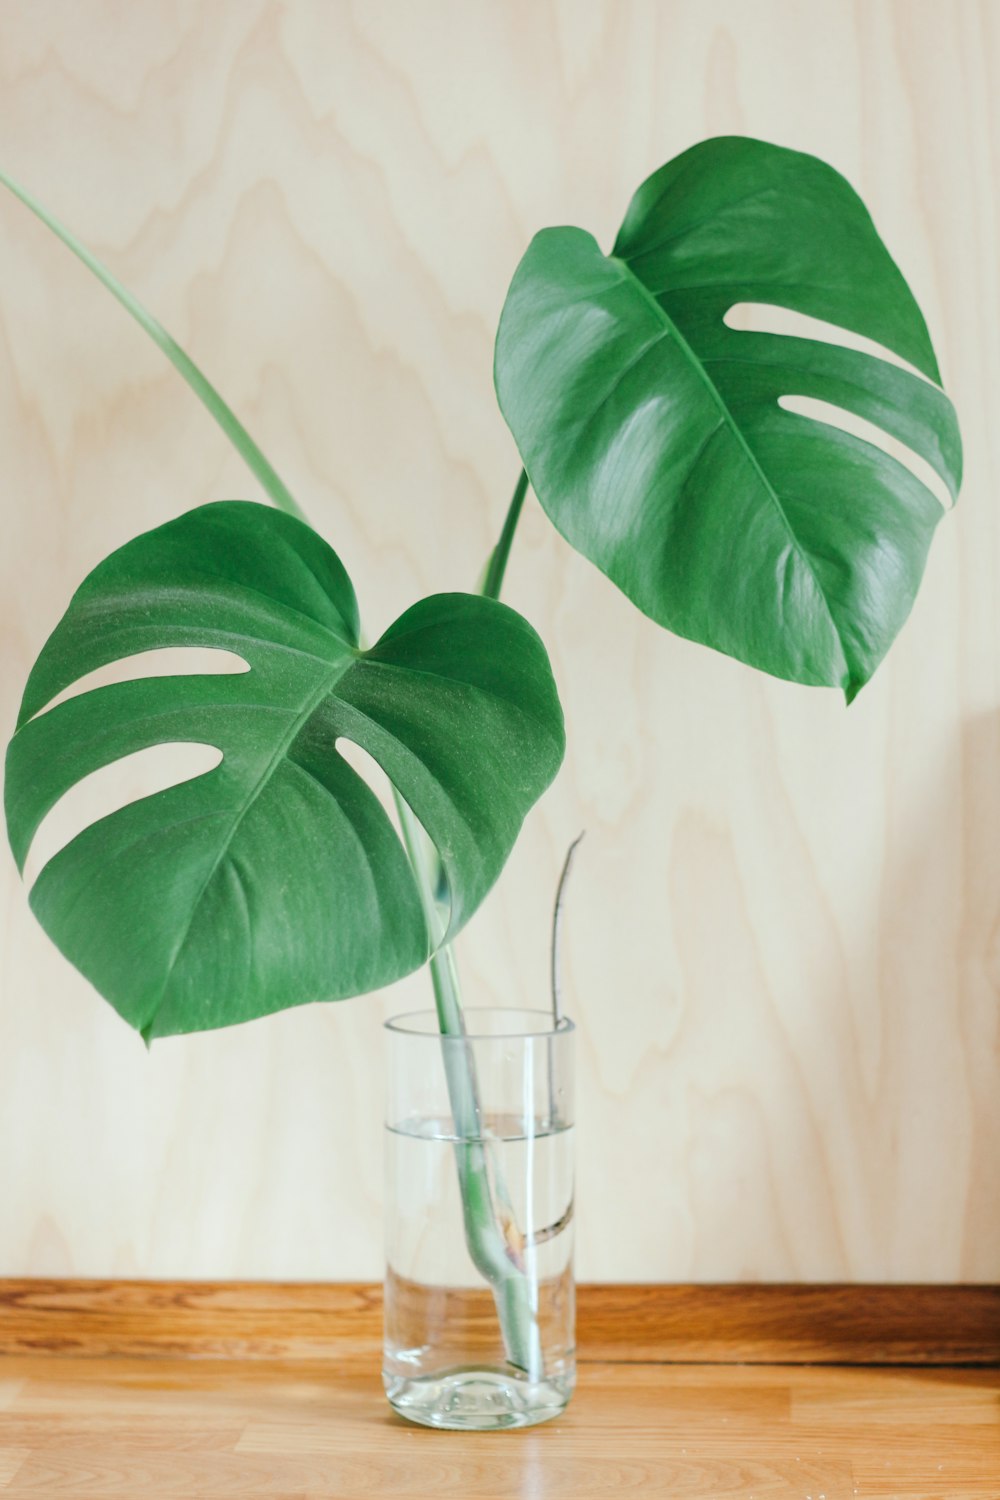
{"type": "Point", "coordinates": [479, 1294]}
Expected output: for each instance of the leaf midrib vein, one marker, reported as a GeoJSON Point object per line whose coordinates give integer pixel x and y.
{"type": "Point", "coordinates": [730, 421]}
{"type": "Point", "coordinates": [327, 685]}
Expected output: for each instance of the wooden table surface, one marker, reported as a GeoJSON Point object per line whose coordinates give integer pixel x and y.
{"type": "Point", "coordinates": [150, 1427]}
{"type": "Point", "coordinates": [149, 1389]}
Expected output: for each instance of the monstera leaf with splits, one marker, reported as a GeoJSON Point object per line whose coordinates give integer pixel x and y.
{"type": "Point", "coordinates": [275, 878]}
{"type": "Point", "coordinates": [654, 436]}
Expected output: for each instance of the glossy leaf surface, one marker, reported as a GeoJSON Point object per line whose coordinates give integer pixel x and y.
{"type": "Point", "coordinates": [652, 432]}
{"type": "Point", "coordinates": [276, 878]}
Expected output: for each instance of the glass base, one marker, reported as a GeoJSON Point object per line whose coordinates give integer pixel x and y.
{"type": "Point", "coordinates": [476, 1399]}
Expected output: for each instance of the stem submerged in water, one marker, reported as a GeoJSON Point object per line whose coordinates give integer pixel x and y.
{"type": "Point", "coordinates": [479, 1179]}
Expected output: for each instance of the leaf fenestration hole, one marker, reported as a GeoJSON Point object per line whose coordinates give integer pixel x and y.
{"type": "Point", "coordinates": [868, 432]}
{"type": "Point", "coordinates": [169, 661]}
{"type": "Point", "coordinates": [113, 786]}
{"type": "Point", "coordinates": [373, 775]}
{"type": "Point", "coordinates": [765, 317]}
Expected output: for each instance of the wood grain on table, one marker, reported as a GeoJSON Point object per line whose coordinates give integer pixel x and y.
{"type": "Point", "coordinates": [118, 1389]}
{"type": "Point", "coordinates": [114, 1427]}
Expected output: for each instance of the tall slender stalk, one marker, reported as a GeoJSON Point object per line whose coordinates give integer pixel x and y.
{"type": "Point", "coordinates": [274, 486]}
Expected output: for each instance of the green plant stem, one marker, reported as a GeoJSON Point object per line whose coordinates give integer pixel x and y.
{"type": "Point", "coordinates": [479, 1186]}
{"type": "Point", "coordinates": [512, 1289]}
{"type": "Point", "coordinates": [271, 481]}
{"type": "Point", "coordinates": [497, 565]}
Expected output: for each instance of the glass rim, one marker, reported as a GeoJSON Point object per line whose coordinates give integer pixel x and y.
{"type": "Point", "coordinates": [564, 1027]}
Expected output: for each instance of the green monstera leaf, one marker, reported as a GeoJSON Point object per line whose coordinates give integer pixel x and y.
{"type": "Point", "coordinates": [275, 878]}
{"type": "Point", "coordinates": [653, 435]}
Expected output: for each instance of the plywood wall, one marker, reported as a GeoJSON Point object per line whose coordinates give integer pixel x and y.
{"type": "Point", "coordinates": [784, 937]}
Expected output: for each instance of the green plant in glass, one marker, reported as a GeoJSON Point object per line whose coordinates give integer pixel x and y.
{"type": "Point", "coordinates": [655, 437]}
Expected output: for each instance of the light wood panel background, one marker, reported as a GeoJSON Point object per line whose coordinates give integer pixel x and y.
{"type": "Point", "coordinates": [783, 944]}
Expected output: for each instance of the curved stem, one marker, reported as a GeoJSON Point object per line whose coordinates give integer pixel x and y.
{"type": "Point", "coordinates": [497, 567]}
{"type": "Point", "coordinates": [272, 483]}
